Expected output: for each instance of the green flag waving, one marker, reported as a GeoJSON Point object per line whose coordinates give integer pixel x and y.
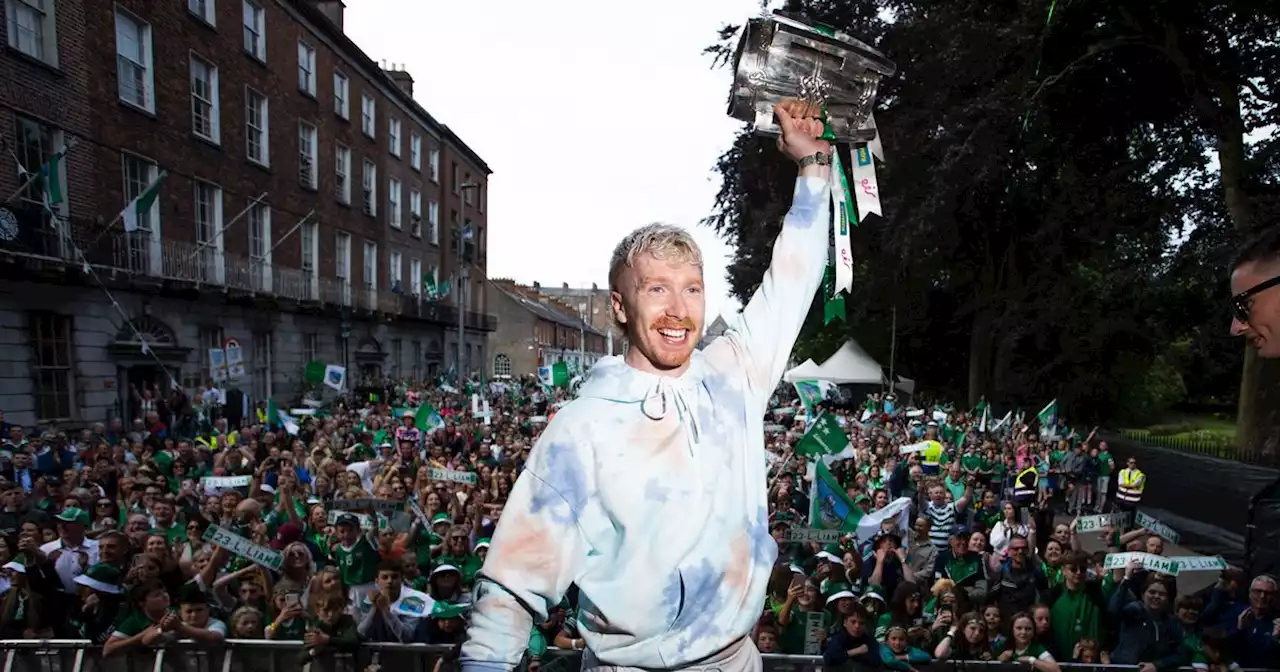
{"type": "Point", "coordinates": [829, 506]}
{"type": "Point", "coordinates": [825, 437]}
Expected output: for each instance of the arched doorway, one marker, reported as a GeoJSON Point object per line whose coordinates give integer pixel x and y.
{"type": "Point", "coordinates": [501, 365]}
{"type": "Point", "coordinates": [369, 358]}
{"type": "Point", "coordinates": [148, 356]}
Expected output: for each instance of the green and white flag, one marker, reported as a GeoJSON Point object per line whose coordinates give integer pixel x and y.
{"type": "Point", "coordinates": [556, 375]}
{"type": "Point", "coordinates": [1048, 416]}
{"type": "Point", "coordinates": [830, 507]}
{"type": "Point", "coordinates": [51, 176]}
{"type": "Point", "coordinates": [141, 205]}
{"type": "Point", "coordinates": [825, 437]}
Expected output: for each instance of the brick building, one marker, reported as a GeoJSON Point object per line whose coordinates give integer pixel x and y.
{"type": "Point", "coordinates": [304, 197]}
{"type": "Point", "coordinates": [595, 305]}
{"type": "Point", "coordinates": [535, 329]}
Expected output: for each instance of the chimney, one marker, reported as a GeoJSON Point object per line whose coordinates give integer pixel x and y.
{"type": "Point", "coordinates": [332, 10]}
{"type": "Point", "coordinates": [565, 285]}
{"type": "Point", "coordinates": [536, 285]}
{"type": "Point", "coordinates": [594, 287]}
{"type": "Point", "coordinates": [402, 79]}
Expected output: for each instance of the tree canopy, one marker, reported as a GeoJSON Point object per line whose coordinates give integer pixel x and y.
{"type": "Point", "coordinates": [1064, 185]}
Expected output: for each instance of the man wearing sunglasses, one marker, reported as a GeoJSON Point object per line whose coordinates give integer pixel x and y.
{"type": "Point", "coordinates": [1255, 301]}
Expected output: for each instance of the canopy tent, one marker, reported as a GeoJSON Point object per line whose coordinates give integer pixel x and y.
{"type": "Point", "coordinates": [849, 365]}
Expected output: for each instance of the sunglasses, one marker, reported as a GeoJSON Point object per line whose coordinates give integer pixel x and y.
{"type": "Point", "coordinates": [1241, 304]}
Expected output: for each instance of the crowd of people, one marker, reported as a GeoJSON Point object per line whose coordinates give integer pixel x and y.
{"type": "Point", "coordinates": [368, 520]}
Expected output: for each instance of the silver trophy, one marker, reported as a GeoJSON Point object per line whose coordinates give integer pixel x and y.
{"type": "Point", "coordinates": [780, 56]}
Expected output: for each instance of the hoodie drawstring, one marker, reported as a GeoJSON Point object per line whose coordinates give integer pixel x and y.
{"type": "Point", "coordinates": [663, 395]}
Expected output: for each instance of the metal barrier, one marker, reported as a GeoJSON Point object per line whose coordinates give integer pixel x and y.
{"type": "Point", "coordinates": [261, 655]}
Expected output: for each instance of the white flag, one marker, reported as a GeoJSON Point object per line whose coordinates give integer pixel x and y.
{"type": "Point", "coordinates": [335, 376]}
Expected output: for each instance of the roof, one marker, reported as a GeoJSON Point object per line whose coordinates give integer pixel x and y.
{"type": "Point", "coordinates": [308, 9]}
{"type": "Point", "coordinates": [546, 312]}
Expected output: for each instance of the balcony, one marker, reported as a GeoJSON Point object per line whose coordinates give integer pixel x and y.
{"type": "Point", "coordinates": [136, 258]}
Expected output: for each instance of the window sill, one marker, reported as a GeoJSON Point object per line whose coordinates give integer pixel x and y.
{"type": "Point", "coordinates": [52, 68]}
{"type": "Point", "coordinates": [264, 167]}
{"type": "Point", "coordinates": [211, 142]}
{"type": "Point", "coordinates": [151, 114]}
{"type": "Point", "coordinates": [257, 60]}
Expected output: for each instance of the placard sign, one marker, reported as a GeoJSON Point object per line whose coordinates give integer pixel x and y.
{"type": "Point", "coordinates": [1157, 528]}
{"type": "Point", "coordinates": [1099, 522]}
{"type": "Point", "coordinates": [375, 504]}
{"type": "Point", "coordinates": [238, 545]}
{"type": "Point", "coordinates": [1154, 563]}
{"type": "Point", "coordinates": [813, 632]}
{"type": "Point", "coordinates": [465, 477]}
{"type": "Point", "coordinates": [796, 535]}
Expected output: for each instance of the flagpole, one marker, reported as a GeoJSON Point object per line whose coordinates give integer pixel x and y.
{"type": "Point", "coordinates": [893, 351]}
{"type": "Point", "coordinates": [120, 215]}
{"type": "Point", "coordinates": [200, 246]}
{"type": "Point", "coordinates": [290, 231]}
{"type": "Point", "coordinates": [66, 147]}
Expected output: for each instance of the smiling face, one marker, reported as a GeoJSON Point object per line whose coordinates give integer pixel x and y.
{"type": "Point", "coordinates": [658, 297]}
{"type": "Point", "coordinates": [1262, 329]}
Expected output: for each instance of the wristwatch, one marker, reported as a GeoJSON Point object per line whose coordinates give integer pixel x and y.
{"type": "Point", "coordinates": [815, 159]}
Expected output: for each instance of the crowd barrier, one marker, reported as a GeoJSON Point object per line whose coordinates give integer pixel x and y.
{"type": "Point", "coordinates": [257, 655]}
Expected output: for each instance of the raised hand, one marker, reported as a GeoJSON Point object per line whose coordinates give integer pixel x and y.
{"type": "Point", "coordinates": [801, 128]}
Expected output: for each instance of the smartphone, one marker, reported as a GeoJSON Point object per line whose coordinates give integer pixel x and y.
{"type": "Point", "coordinates": [292, 600]}
{"type": "Point", "coordinates": [139, 561]}
{"type": "Point", "coordinates": [797, 579]}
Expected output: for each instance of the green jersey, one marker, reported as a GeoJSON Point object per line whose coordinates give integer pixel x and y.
{"type": "Point", "coordinates": [358, 565]}
{"type": "Point", "coordinates": [1105, 464]}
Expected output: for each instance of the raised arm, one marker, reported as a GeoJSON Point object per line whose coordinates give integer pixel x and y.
{"type": "Point", "coordinates": [771, 320]}
{"type": "Point", "coordinates": [537, 551]}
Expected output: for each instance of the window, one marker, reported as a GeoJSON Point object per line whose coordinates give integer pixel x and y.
{"type": "Point", "coordinates": [370, 264]}
{"type": "Point", "coordinates": [415, 151]}
{"type": "Point", "coordinates": [135, 72]}
{"type": "Point", "coordinates": [415, 212]}
{"type": "Point", "coordinates": [259, 217]}
{"type": "Point", "coordinates": [310, 347]}
{"type": "Point", "coordinates": [468, 195]}
{"type": "Point", "coordinates": [307, 68]}
{"type": "Point", "coordinates": [32, 29]}
{"type": "Point", "coordinates": [369, 115]}
{"type": "Point", "coordinates": [396, 353]}
{"type": "Point", "coordinates": [255, 30]}
{"type": "Point", "coordinates": [435, 164]}
{"type": "Point", "coordinates": [204, 99]}
{"type": "Point", "coordinates": [479, 196]}
{"type": "Point", "coordinates": [51, 341]}
{"type": "Point", "coordinates": [341, 95]}
{"type": "Point", "coordinates": [393, 270]}
{"type": "Point", "coordinates": [138, 175]}
{"type": "Point", "coordinates": [456, 183]}
{"type": "Point", "coordinates": [308, 155]}
{"type": "Point", "coordinates": [262, 365]}
{"type": "Point", "coordinates": [203, 10]}
{"type": "Point", "coordinates": [416, 365]}
{"type": "Point", "coordinates": [393, 136]}
{"type": "Point", "coordinates": [208, 218]}
{"type": "Point", "coordinates": [501, 365]}
{"type": "Point", "coordinates": [394, 194]}
{"type": "Point", "coordinates": [370, 188]}
{"type": "Point", "coordinates": [310, 252]}
{"type": "Point", "coordinates": [36, 144]}
{"type": "Point", "coordinates": [342, 171]}
{"type": "Point", "coordinates": [256, 132]}
{"type": "Point", "coordinates": [342, 265]}
{"type": "Point", "coordinates": [415, 277]}
{"type": "Point", "coordinates": [433, 221]}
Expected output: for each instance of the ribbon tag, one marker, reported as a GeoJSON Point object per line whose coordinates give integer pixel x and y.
{"type": "Point", "coordinates": [865, 188]}
{"type": "Point", "coordinates": [833, 308]}
{"type": "Point", "coordinates": [842, 216]}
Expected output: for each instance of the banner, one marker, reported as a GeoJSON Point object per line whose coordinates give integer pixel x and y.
{"type": "Point", "coordinates": [1154, 563]}
{"type": "Point", "coordinates": [800, 535]}
{"type": "Point", "coordinates": [216, 485]}
{"type": "Point", "coordinates": [1099, 522]}
{"type": "Point", "coordinates": [361, 504]}
{"type": "Point", "coordinates": [1157, 528]}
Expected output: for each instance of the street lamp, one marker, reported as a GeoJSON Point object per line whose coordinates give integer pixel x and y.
{"type": "Point", "coordinates": [463, 279]}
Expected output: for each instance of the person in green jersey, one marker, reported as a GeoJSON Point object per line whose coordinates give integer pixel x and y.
{"type": "Point", "coordinates": [1106, 464]}
{"type": "Point", "coordinates": [149, 623]}
{"type": "Point", "coordinates": [457, 553]}
{"type": "Point", "coordinates": [1023, 648]}
{"type": "Point", "coordinates": [356, 554]}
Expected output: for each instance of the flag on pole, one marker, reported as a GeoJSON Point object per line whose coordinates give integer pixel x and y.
{"type": "Point", "coordinates": [829, 505]}
{"type": "Point", "coordinates": [556, 375]}
{"type": "Point", "coordinates": [427, 419]}
{"type": "Point", "coordinates": [825, 437]}
{"type": "Point", "coordinates": [1048, 416]}
{"type": "Point", "coordinates": [468, 233]}
{"type": "Point", "coordinates": [986, 417]}
{"type": "Point", "coordinates": [51, 176]}
{"type": "Point", "coordinates": [141, 204]}
{"type": "Point", "coordinates": [335, 376]}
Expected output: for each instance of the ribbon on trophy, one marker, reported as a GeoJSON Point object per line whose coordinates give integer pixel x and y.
{"type": "Point", "coordinates": [837, 282]}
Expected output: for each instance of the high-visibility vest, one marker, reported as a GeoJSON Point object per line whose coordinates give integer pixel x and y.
{"type": "Point", "coordinates": [1024, 486]}
{"type": "Point", "coordinates": [931, 457]}
{"type": "Point", "coordinates": [1132, 483]}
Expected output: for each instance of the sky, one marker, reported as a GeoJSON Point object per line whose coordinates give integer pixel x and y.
{"type": "Point", "coordinates": [595, 120]}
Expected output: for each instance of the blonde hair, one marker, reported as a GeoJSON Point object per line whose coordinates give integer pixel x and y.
{"type": "Point", "coordinates": [661, 241]}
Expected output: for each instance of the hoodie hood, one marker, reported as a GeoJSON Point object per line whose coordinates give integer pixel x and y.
{"type": "Point", "coordinates": [656, 397]}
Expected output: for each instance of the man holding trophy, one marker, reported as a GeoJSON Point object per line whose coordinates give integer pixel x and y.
{"type": "Point", "coordinates": [649, 490]}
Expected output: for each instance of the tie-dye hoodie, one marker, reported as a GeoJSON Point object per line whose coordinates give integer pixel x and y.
{"type": "Point", "coordinates": [649, 492]}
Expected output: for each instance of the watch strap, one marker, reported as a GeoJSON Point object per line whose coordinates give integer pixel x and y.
{"type": "Point", "coordinates": [815, 159]}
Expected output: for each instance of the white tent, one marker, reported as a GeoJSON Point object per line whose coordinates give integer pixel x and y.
{"type": "Point", "coordinates": [850, 364]}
